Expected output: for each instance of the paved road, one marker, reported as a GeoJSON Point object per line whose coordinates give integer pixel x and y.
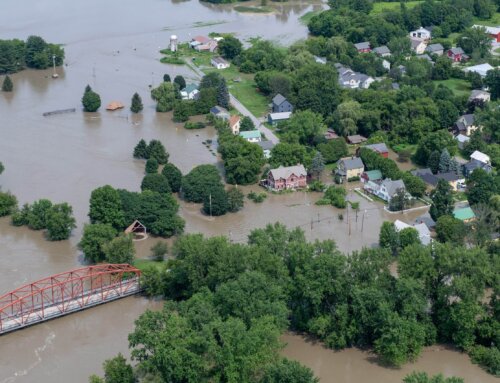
{"type": "Point", "coordinates": [242, 109]}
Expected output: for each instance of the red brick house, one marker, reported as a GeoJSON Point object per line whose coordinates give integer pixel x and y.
{"type": "Point", "coordinates": [457, 54]}
{"type": "Point", "coordinates": [291, 177]}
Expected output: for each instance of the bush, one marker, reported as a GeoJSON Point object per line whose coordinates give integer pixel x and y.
{"type": "Point", "coordinates": [20, 217]}
{"type": "Point", "coordinates": [7, 85]}
{"type": "Point", "coordinates": [235, 199]}
{"type": "Point", "coordinates": [317, 186]}
{"type": "Point", "coordinates": [38, 214]}
{"type": "Point", "coordinates": [159, 250]}
{"type": "Point", "coordinates": [8, 203]}
{"type": "Point", "coordinates": [194, 125]}
{"type": "Point", "coordinates": [152, 166]}
{"type": "Point", "coordinates": [257, 198]}
{"type": "Point", "coordinates": [489, 357]}
{"type": "Point", "coordinates": [336, 195]}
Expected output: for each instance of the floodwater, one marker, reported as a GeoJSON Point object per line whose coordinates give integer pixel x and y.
{"type": "Point", "coordinates": [113, 46]}
{"type": "Point", "coordinates": [356, 366]}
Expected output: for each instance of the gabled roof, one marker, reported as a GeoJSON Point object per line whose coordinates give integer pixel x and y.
{"type": "Point", "coordinates": [379, 148]}
{"type": "Point", "coordinates": [489, 30]}
{"type": "Point", "coordinates": [449, 176]}
{"type": "Point", "coordinates": [480, 156]}
{"type": "Point", "coordinates": [478, 93]}
{"type": "Point", "coordinates": [233, 120]}
{"type": "Point", "coordinates": [475, 164]}
{"type": "Point", "coordinates": [393, 186]}
{"type": "Point", "coordinates": [457, 51]}
{"type": "Point", "coordinates": [434, 48]}
{"type": "Point", "coordinates": [250, 134]}
{"type": "Point", "coordinates": [219, 60]}
{"type": "Point", "coordinates": [482, 69]}
{"type": "Point", "coordinates": [363, 45]}
{"type": "Point", "coordinates": [356, 139]}
{"type": "Point", "coordinates": [421, 29]}
{"type": "Point", "coordinates": [467, 119]}
{"type": "Point", "coordinates": [278, 99]}
{"type": "Point", "coordinates": [285, 172]}
{"type": "Point", "coordinates": [427, 220]}
{"type": "Point", "coordinates": [351, 163]}
{"type": "Point", "coordinates": [462, 138]}
{"type": "Point", "coordinates": [382, 50]}
{"type": "Point", "coordinates": [415, 42]}
{"type": "Point", "coordinates": [201, 39]}
{"type": "Point", "coordinates": [425, 56]}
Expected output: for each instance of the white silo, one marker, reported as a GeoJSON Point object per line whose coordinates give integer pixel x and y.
{"type": "Point", "coordinates": [173, 43]}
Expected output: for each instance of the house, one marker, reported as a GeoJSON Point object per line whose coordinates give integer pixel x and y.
{"type": "Point", "coordinates": [281, 104]}
{"type": "Point", "coordinates": [190, 92]}
{"type": "Point", "coordinates": [363, 47]}
{"type": "Point", "coordinates": [435, 49]}
{"type": "Point", "coordinates": [481, 69]}
{"type": "Point", "coordinates": [424, 235]}
{"type": "Point", "coordinates": [330, 135]}
{"type": "Point", "coordinates": [353, 80]}
{"type": "Point", "coordinates": [472, 165]}
{"type": "Point", "coordinates": [457, 54]}
{"type": "Point", "coordinates": [426, 57]}
{"type": "Point", "coordinates": [382, 51]}
{"type": "Point", "coordinates": [211, 46]}
{"type": "Point", "coordinates": [266, 146]}
{"type": "Point", "coordinates": [386, 64]}
{"type": "Point", "coordinates": [356, 139]}
{"type": "Point", "coordinates": [427, 176]}
{"type": "Point", "coordinates": [380, 148]}
{"type": "Point", "coordinates": [493, 32]}
{"type": "Point", "coordinates": [479, 95]}
{"type": "Point", "coordinates": [385, 189]}
{"type": "Point", "coordinates": [421, 33]}
{"type": "Point", "coordinates": [464, 214]}
{"type": "Point", "coordinates": [481, 157]}
{"type": "Point", "coordinates": [320, 60]}
{"type": "Point", "coordinates": [427, 220]}
{"type": "Point", "coordinates": [198, 40]}
{"type": "Point", "coordinates": [219, 63]}
{"type": "Point", "coordinates": [290, 177]}
{"type": "Point", "coordinates": [462, 140]}
{"type": "Point", "coordinates": [465, 125]}
{"type": "Point", "coordinates": [251, 135]}
{"type": "Point", "coordinates": [220, 112]}
{"type": "Point", "coordinates": [371, 175]}
{"type": "Point", "coordinates": [275, 118]}
{"type": "Point", "coordinates": [453, 179]}
{"type": "Point", "coordinates": [234, 124]}
{"type": "Point", "coordinates": [418, 46]}
{"type": "Point", "coordinates": [350, 167]}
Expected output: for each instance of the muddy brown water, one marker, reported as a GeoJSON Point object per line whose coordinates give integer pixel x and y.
{"type": "Point", "coordinates": [113, 46]}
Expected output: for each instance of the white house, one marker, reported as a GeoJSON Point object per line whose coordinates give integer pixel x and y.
{"type": "Point", "coordinates": [190, 92]}
{"type": "Point", "coordinates": [479, 95]}
{"type": "Point", "coordinates": [266, 146]}
{"type": "Point", "coordinates": [481, 69]}
{"type": "Point", "coordinates": [418, 46]}
{"type": "Point", "coordinates": [481, 157]}
{"type": "Point", "coordinates": [462, 140]}
{"type": "Point", "coordinates": [219, 63]}
{"type": "Point", "coordinates": [385, 189]}
{"type": "Point", "coordinates": [421, 33]}
{"type": "Point", "coordinates": [386, 64]}
{"type": "Point", "coordinates": [424, 235]}
{"type": "Point", "coordinates": [353, 80]}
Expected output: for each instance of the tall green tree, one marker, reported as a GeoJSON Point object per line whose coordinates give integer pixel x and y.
{"type": "Point", "coordinates": [444, 161]}
{"type": "Point", "coordinates": [492, 80]}
{"type": "Point", "coordinates": [442, 200]}
{"type": "Point", "coordinates": [179, 80]}
{"type": "Point", "coordinates": [215, 202]}
{"type": "Point", "coordinates": [91, 100]}
{"type": "Point", "coordinates": [317, 165]}
{"type": "Point", "coordinates": [434, 161]}
{"type": "Point", "coordinates": [230, 47]}
{"type": "Point", "coordinates": [481, 186]}
{"type": "Point", "coordinates": [141, 150]}
{"type": "Point", "coordinates": [7, 85]}
{"type": "Point", "coordinates": [157, 151]}
{"type": "Point", "coordinates": [165, 95]}
{"type": "Point", "coordinates": [173, 175]}
{"type": "Point", "coordinates": [151, 166]}
{"type": "Point", "coordinates": [106, 207]}
{"type": "Point", "coordinates": [8, 203]}
{"type": "Point", "coordinates": [223, 94]}
{"type": "Point", "coordinates": [450, 229]}
{"type": "Point", "coordinates": [119, 250]}
{"type": "Point", "coordinates": [136, 104]}
{"type": "Point", "coordinates": [60, 222]}
{"type": "Point", "coordinates": [93, 239]}
{"type": "Point", "coordinates": [235, 199]}
{"type": "Point", "coordinates": [155, 182]}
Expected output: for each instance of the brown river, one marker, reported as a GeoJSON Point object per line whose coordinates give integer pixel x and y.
{"type": "Point", "coordinates": [113, 46]}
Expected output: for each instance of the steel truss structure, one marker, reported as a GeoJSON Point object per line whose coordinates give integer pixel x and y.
{"type": "Point", "coordinates": [67, 292]}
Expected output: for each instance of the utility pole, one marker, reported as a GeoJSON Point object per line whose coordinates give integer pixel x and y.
{"type": "Point", "coordinates": [210, 203]}
{"type": "Point", "coordinates": [363, 220]}
{"type": "Point", "coordinates": [54, 75]}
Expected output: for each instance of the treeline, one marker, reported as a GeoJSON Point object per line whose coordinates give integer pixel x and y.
{"type": "Point", "coordinates": [249, 294]}
{"type": "Point", "coordinates": [15, 55]}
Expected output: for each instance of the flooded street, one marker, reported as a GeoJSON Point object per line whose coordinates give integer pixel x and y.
{"type": "Point", "coordinates": [113, 46]}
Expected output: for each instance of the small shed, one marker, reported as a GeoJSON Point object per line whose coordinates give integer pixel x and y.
{"type": "Point", "coordinates": [356, 139]}
{"type": "Point", "coordinates": [138, 230]}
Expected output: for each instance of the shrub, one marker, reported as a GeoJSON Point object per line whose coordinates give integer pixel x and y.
{"type": "Point", "coordinates": [257, 198]}
{"type": "Point", "coordinates": [159, 250]}
{"type": "Point", "coordinates": [8, 203]}
{"type": "Point", "coordinates": [152, 166]}
{"type": "Point", "coordinates": [194, 125]}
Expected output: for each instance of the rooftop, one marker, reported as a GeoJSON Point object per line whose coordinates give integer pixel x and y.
{"type": "Point", "coordinates": [278, 99]}
{"type": "Point", "coordinates": [373, 175]}
{"type": "Point", "coordinates": [382, 50]}
{"type": "Point", "coordinates": [434, 48]}
{"type": "Point", "coordinates": [285, 172]}
{"type": "Point", "coordinates": [379, 147]}
{"type": "Point", "coordinates": [219, 60]}
{"type": "Point", "coordinates": [250, 134]}
{"type": "Point", "coordinates": [352, 163]}
{"type": "Point", "coordinates": [280, 116]}
{"type": "Point", "coordinates": [363, 45]}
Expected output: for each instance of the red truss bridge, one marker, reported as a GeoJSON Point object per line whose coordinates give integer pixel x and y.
{"type": "Point", "coordinates": [66, 293]}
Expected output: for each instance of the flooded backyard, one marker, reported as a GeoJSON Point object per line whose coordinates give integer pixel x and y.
{"type": "Point", "coordinates": [113, 46]}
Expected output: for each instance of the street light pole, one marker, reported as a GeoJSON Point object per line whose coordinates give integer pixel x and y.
{"type": "Point", "coordinates": [54, 75]}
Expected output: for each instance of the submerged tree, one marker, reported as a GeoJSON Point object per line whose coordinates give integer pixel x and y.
{"type": "Point", "coordinates": [179, 80]}
{"type": "Point", "coordinates": [136, 105]}
{"type": "Point", "coordinates": [91, 100]}
{"type": "Point", "coordinates": [7, 85]}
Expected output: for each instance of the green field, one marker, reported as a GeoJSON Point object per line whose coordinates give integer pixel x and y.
{"type": "Point", "coordinates": [262, 9]}
{"type": "Point", "coordinates": [142, 264]}
{"type": "Point", "coordinates": [387, 5]}
{"type": "Point", "coordinates": [459, 87]}
{"type": "Point", "coordinates": [493, 22]}
{"type": "Point", "coordinates": [306, 17]}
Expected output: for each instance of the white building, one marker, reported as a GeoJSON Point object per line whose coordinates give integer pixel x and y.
{"type": "Point", "coordinates": [481, 157]}
{"type": "Point", "coordinates": [421, 33]}
{"type": "Point", "coordinates": [481, 69]}
{"type": "Point", "coordinates": [219, 63]}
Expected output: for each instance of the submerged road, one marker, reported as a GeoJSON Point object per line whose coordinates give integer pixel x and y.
{"type": "Point", "coordinates": [241, 108]}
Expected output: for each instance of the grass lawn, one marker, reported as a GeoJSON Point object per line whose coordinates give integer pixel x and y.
{"type": "Point", "coordinates": [459, 87]}
{"type": "Point", "coordinates": [142, 264]}
{"type": "Point", "coordinates": [493, 22]}
{"type": "Point", "coordinates": [306, 17]}
{"type": "Point", "coordinates": [388, 5]}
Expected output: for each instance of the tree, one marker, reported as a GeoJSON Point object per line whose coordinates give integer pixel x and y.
{"type": "Point", "coordinates": [8, 203]}
{"type": "Point", "coordinates": [422, 377]}
{"type": "Point", "coordinates": [246, 124]}
{"type": "Point", "coordinates": [492, 80]}
{"type": "Point", "coordinates": [284, 154]}
{"type": "Point", "coordinates": [318, 165]}
{"type": "Point", "coordinates": [435, 141]}
{"type": "Point", "coordinates": [333, 150]}
{"type": "Point", "coordinates": [215, 202]}
{"type": "Point", "coordinates": [166, 78]}
{"type": "Point", "coordinates": [93, 239]}
{"type": "Point", "coordinates": [347, 115]}
{"type": "Point", "coordinates": [444, 161]}
{"type": "Point", "coordinates": [481, 186]}
{"type": "Point", "coordinates": [230, 47]}
{"type": "Point", "coordinates": [223, 94]}
{"type": "Point", "coordinates": [7, 85]}
{"type": "Point", "coordinates": [60, 222]}
{"type": "Point", "coordinates": [91, 100]}
{"type": "Point", "coordinates": [408, 236]}
{"type": "Point", "coordinates": [141, 150]}
{"type": "Point", "coordinates": [305, 125]}
{"type": "Point", "coordinates": [433, 162]}
{"type": "Point", "coordinates": [155, 182]}
{"type": "Point", "coordinates": [119, 250]}
{"type": "Point", "coordinates": [106, 207]}
{"type": "Point", "coordinates": [199, 181]}
{"type": "Point", "coordinates": [388, 237]}
{"type": "Point", "coordinates": [288, 371]}
{"type": "Point", "coordinates": [2, 168]}
{"type": "Point", "coordinates": [159, 250]}
{"type": "Point", "coordinates": [400, 200]}
{"type": "Point", "coordinates": [165, 95]}
{"type": "Point", "coordinates": [442, 200]}
{"type": "Point", "coordinates": [475, 42]}
{"type": "Point", "coordinates": [173, 175]}
{"type": "Point", "coordinates": [151, 166]}
{"type": "Point", "coordinates": [450, 229]}
{"type": "Point", "coordinates": [181, 112]}
{"type": "Point", "coordinates": [157, 151]}
{"type": "Point", "coordinates": [136, 105]}
{"type": "Point", "coordinates": [38, 214]}
{"type": "Point", "coordinates": [179, 80]}
{"type": "Point", "coordinates": [235, 200]}
{"type": "Point", "coordinates": [116, 370]}
{"type": "Point", "coordinates": [442, 68]}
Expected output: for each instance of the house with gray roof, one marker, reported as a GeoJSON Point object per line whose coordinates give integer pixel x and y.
{"type": "Point", "coordinates": [479, 95]}
{"type": "Point", "coordinates": [385, 189]}
{"type": "Point", "coordinates": [363, 47]}
{"type": "Point", "coordinates": [382, 51]}
{"type": "Point", "coordinates": [435, 49]}
{"type": "Point", "coordinates": [472, 165]}
{"type": "Point", "coordinates": [465, 124]}
{"type": "Point", "coordinates": [220, 112]}
{"type": "Point", "coordinates": [350, 167]}
{"type": "Point", "coordinates": [266, 146]}
{"type": "Point", "coordinates": [461, 140]}
{"type": "Point", "coordinates": [424, 235]}
{"type": "Point", "coordinates": [280, 104]}
{"type": "Point", "coordinates": [425, 57]}
{"type": "Point", "coordinates": [380, 148]}
{"type": "Point", "coordinates": [353, 80]}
